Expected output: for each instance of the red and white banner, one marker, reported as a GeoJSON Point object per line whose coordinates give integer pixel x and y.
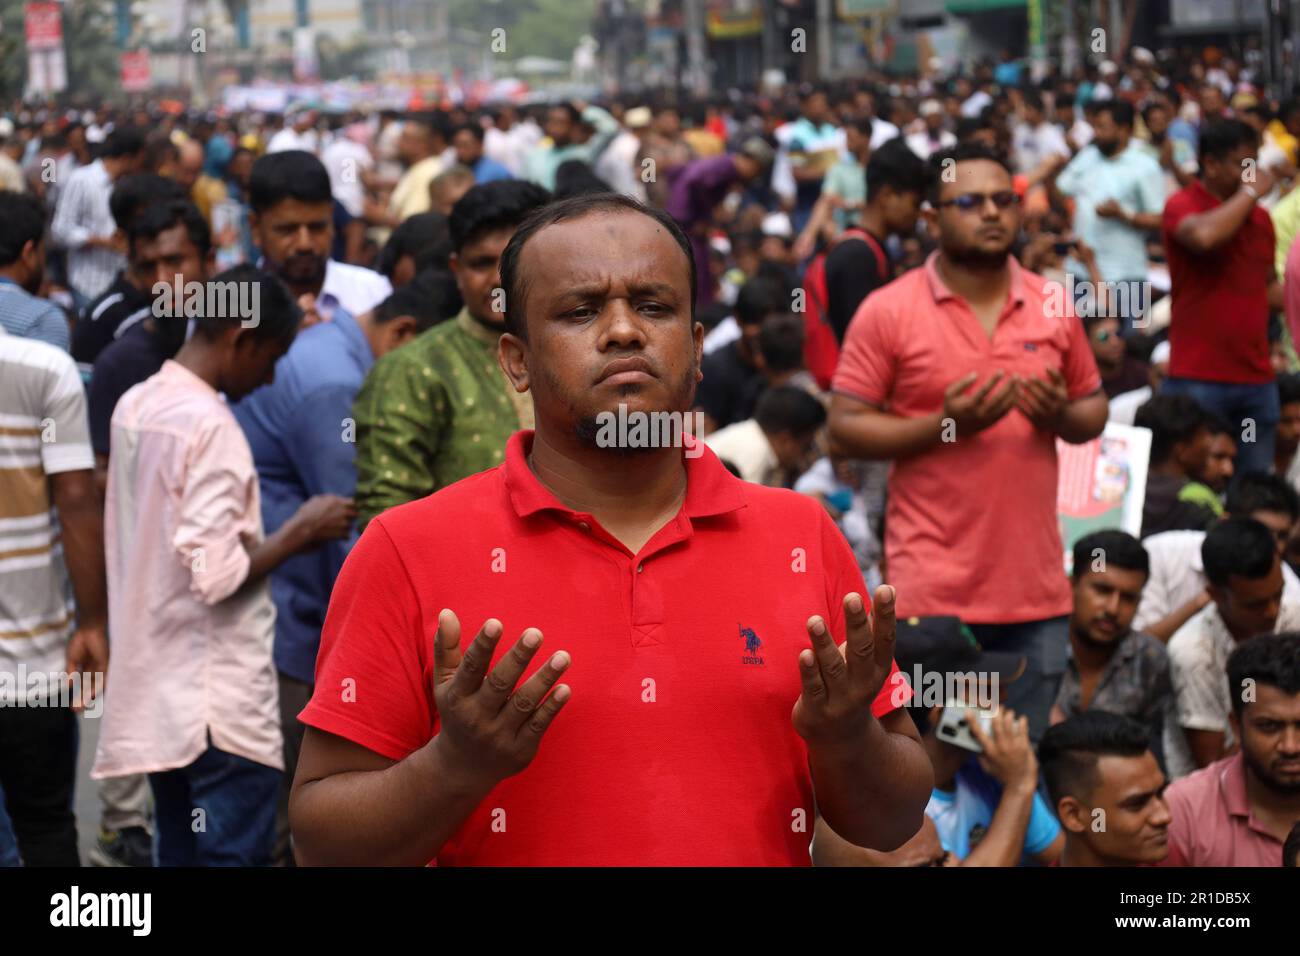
{"type": "Point", "coordinates": [136, 77]}
{"type": "Point", "coordinates": [44, 22]}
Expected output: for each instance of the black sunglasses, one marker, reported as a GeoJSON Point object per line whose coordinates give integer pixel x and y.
{"type": "Point", "coordinates": [969, 201]}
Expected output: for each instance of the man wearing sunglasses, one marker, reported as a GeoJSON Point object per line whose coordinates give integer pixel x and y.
{"type": "Point", "coordinates": [964, 373]}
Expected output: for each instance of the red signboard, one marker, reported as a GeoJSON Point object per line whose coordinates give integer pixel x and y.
{"type": "Point", "coordinates": [135, 71]}
{"type": "Point", "coordinates": [44, 22]}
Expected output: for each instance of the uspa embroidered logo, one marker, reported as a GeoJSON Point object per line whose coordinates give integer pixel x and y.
{"type": "Point", "coordinates": [752, 646]}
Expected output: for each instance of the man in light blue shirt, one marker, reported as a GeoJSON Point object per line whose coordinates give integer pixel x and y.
{"type": "Point", "coordinates": [22, 267]}
{"type": "Point", "coordinates": [301, 432]}
{"type": "Point", "coordinates": [1119, 194]}
{"type": "Point", "coordinates": [563, 122]}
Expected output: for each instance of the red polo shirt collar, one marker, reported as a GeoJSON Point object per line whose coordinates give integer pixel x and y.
{"type": "Point", "coordinates": [941, 292]}
{"type": "Point", "coordinates": [1232, 782]}
{"type": "Point", "coordinates": [710, 488]}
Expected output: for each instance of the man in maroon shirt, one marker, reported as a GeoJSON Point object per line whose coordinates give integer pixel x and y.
{"type": "Point", "coordinates": [1220, 249]}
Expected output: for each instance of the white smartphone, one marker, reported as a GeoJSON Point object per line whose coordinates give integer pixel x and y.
{"type": "Point", "coordinates": [954, 727]}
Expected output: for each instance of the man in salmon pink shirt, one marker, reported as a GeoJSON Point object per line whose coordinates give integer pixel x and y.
{"type": "Point", "coordinates": [964, 373]}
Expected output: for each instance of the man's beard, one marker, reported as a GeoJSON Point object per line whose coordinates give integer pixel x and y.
{"type": "Point", "coordinates": [1108, 149]}
{"type": "Point", "coordinates": [1266, 776]}
{"type": "Point", "coordinates": [303, 270]}
{"type": "Point", "coordinates": [1158, 139]}
{"type": "Point", "coordinates": [978, 259]}
{"type": "Point", "coordinates": [587, 428]}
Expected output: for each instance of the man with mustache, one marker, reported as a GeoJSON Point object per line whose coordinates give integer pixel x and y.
{"type": "Point", "coordinates": [1239, 810]}
{"type": "Point", "coordinates": [710, 704]}
{"type": "Point", "coordinates": [1112, 667]}
{"type": "Point", "coordinates": [292, 222]}
{"type": "Point", "coordinates": [1119, 193]}
{"type": "Point", "coordinates": [1107, 790]}
{"type": "Point", "coordinates": [964, 373]}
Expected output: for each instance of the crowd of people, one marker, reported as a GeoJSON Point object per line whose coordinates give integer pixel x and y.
{"type": "Point", "coordinates": [279, 394]}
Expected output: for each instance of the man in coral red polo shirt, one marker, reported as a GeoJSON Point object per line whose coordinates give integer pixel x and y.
{"type": "Point", "coordinates": [1220, 248]}
{"type": "Point", "coordinates": [706, 714]}
{"type": "Point", "coordinates": [964, 373]}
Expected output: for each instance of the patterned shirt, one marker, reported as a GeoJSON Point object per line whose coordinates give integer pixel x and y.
{"type": "Point", "coordinates": [83, 214]}
{"type": "Point", "coordinates": [1198, 667]}
{"type": "Point", "coordinates": [1134, 682]}
{"type": "Point", "coordinates": [431, 413]}
{"type": "Point", "coordinates": [43, 432]}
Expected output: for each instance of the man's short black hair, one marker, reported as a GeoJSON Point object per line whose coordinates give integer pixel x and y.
{"type": "Point", "coordinates": [1118, 549]}
{"type": "Point", "coordinates": [1238, 546]}
{"type": "Point", "coordinates": [1269, 659]}
{"type": "Point", "coordinates": [488, 207]}
{"type": "Point", "coordinates": [963, 152]}
{"type": "Point", "coordinates": [413, 300]}
{"type": "Point", "coordinates": [276, 315]}
{"type": "Point", "coordinates": [785, 409]}
{"type": "Point", "coordinates": [780, 341]}
{"type": "Point", "coordinates": [758, 298]}
{"type": "Point", "coordinates": [1069, 751]}
{"type": "Point", "coordinates": [290, 174]}
{"type": "Point", "coordinates": [1219, 137]}
{"type": "Point", "coordinates": [562, 211]}
{"type": "Point", "coordinates": [22, 220]}
{"type": "Point", "coordinates": [474, 129]}
{"type": "Point", "coordinates": [124, 140]}
{"type": "Point", "coordinates": [896, 166]}
{"type": "Point", "coordinates": [1218, 425]}
{"type": "Point", "coordinates": [1173, 419]}
{"type": "Point", "coordinates": [425, 237]}
{"type": "Point", "coordinates": [1120, 111]}
{"type": "Point", "coordinates": [1259, 491]}
{"type": "Point", "coordinates": [133, 194]}
{"type": "Point", "coordinates": [158, 150]}
{"type": "Point", "coordinates": [161, 216]}
{"type": "Point", "coordinates": [1288, 388]}
{"type": "Point", "coordinates": [1291, 848]}
{"type": "Point", "coordinates": [434, 122]}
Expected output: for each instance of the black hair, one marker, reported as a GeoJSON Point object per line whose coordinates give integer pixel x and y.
{"type": "Point", "coordinates": [124, 140]}
{"type": "Point", "coordinates": [564, 210]}
{"type": "Point", "coordinates": [574, 115]}
{"type": "Point", "coordinates": [1238, 546]}
{"type": "Point", "coordinates": [1221, 136]}
{"type": "Point", "coordinates": [1291, 848]}
{"type": "Point", "coordinates": [438, 286]}
{"type": "Point", "coordinates": [1118, 549]}
{"type": "Point", "coordinates": [474, 130]}
{"type": "Point", "coordinates": [1259, 491]}
{"type": "Point", "coordinates": [22, 220]}
{"type": "Point", "coordinates": [758, 298]}
{"type": "Point", "coordinates": [276, 314]}
{"type": "Point", "coordinates": [132, 194]}
{"type": "Point", "coordinates": [488, 207]}
{"type": "Point", "coordinates": [158, 149]}
{"type": "Point", "coordinates": [1218, 425]}
{"type": "Point", "coordinates": [290, 174]}
{"type": "Point", "coordinates": [413, 300]}
{"type": "Point", "coordinates": [161, 216]}
{"type": "Point", "coordinates": [1288, 388]}
{"type": "Point", "coordinates": [425, 237]}
{"type": "Point", "coordinates": [573, 177]}
{"type": "Point", "coordinates": [435, 123]}
{"type": "Point", "coordinates": [1173, 419]}
{"type": "Point", "coordinates": [896, 166]}
{"type": "Point", "coordinates": [1121, 111]}
{"type": "Point", "coordinates": [963, 152]}
{"type": "Point", "coordinates": [1269, 659]}
{"type": "Point", "coordinates": [786, 408]}
{"type": "Point", "coordinates": [780, 340]}
{"type": "Point", "coordinates": [1069, 751]}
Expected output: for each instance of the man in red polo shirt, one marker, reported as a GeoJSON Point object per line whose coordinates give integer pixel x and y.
{"type": "Point", "coordinates": [1220, 248]}
{"type": "Point", "coordinates": [706, 714]}
{"type": "Point", "coordinates": [964, 373]}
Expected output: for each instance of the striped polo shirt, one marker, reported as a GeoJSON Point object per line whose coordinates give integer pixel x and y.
{"type": "Point", "coordinates": [43, 431]}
